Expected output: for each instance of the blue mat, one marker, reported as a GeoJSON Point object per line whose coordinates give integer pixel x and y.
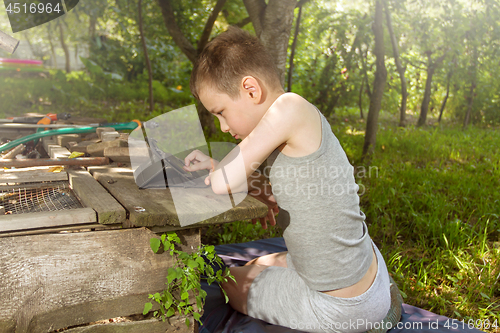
{"type": "Point", "coordinates": [219, 317]}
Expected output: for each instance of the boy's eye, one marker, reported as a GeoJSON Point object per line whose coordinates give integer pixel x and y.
{"type": "Point", "coordinates": [219, 113]}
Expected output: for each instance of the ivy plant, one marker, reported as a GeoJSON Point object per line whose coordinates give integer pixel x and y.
{"type": "Point", "coordinates": [183, 294]}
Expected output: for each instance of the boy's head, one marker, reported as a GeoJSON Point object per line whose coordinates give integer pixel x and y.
{"type": "Point", "coordinates": [228, 58]}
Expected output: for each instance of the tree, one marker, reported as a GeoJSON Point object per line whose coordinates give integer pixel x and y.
{"type": "Point", "coordinates": [146, 56]}
{"type": "Point", "coordinates": [399, 66]}
{"type": "Point", "coordinates": [64, 46]}
{"type": "Point", "coordinates": [379, 82]}
{"type": "Point", "coordinates": [272, 23]}
{"type": "Point", "coordinates": [292, 52]}
{"type": "Point", "coordinates": [432, 65]}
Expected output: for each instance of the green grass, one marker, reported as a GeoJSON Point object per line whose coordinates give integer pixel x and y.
{"type": "Point", "coordinates": [434, 210]}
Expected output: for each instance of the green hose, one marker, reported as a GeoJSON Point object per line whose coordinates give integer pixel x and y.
{"type": "Point", "coordinates": [70, 130]}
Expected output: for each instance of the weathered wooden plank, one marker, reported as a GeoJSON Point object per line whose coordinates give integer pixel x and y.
{"type": "Point", "coordinates": [47, 219]}
{"type": "Point", "coordinates": [144, 326]}
{"type": "Point", "coordinates": [72, 228]}
{"type": "Point", "coordinates": [155, 207]}
{"type": "Point", "coordinates": [92, 194]}
{"type": "Point", "coordinates": [31, 176]}
{"type": "Point", "coordinates": [55, 281]}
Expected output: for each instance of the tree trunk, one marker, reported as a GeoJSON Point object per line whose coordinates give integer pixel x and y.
{"type": "Point", "coordinates": [276, 25]}
{"type": "Point", "coordinates": [146, 56]}
{"type": "Point", "coordinates": [207, 121]}
{"type": "Point", "coordinates": [431, 68]}
{"type": "Point", "coordinates": [445, 98]}
{"type": "Point", "coordinates": [473, 76]}
{"type": "Point", "coordinates": [470, 99]}
{"type": "Point", "coordinates": [52, 48]}
{"type": "Point", "coordinates": [363, 56]}
{"type": "Point", "coordinates": [379, 82]}
{"type": "Point", "coordinates": [292, 52]}
{"type": "Point", "coordinates": [360, 99]}
{"type": "Point", "coordinates": [65, 48]}
{"type": "Point", "coordinates": [400, 68]}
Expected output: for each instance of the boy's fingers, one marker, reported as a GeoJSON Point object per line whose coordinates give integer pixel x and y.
{"type": "Point", "coordinates": [195, 155]}
{"type": "Point", "coordinates": [199, 166]}
{"type": "Point", "coordinates": [270, 216]}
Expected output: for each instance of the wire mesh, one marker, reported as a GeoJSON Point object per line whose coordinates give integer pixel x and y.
{"type": "Point", "coordinates": [43, 197]}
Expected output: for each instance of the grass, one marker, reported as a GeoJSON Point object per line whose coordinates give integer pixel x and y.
{"type": "Point", "coordinates": [434, 210]}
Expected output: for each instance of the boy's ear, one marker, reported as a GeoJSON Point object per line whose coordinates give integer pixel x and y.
{"type": "Point", "coordinates": [251, 88]}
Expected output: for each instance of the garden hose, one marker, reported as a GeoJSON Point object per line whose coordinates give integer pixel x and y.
{"type": "Point", "coordinates": [69, 130]}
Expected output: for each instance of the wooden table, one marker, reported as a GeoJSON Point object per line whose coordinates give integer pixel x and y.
{"type": "Point", "coordinates": [73, 273]}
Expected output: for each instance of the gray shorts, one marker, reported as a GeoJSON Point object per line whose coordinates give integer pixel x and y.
{"type": "Point", "coordinates": [279, 296]}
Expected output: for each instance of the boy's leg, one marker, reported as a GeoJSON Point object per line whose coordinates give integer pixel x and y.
{"type": "Point", "coordinates": [273, 259]}
{"type": "Point", "coordinates": [244, 276]}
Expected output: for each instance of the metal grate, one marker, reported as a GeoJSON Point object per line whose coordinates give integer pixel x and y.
{"type": "Point", "coordinates": [42, 197]}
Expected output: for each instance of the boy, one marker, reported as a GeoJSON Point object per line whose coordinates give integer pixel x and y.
{"type": "Point", "coordinates": [333, 278]}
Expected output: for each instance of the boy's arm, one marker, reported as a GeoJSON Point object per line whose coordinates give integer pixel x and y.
{"type": "Point", "coordinates": [259, 188]}
{"type": "Point", "coordinates": [276, 127]}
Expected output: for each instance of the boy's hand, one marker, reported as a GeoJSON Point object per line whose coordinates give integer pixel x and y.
{"type": "Point", "coordinates": [265, 195]}
{"type": "Point", "coordinates": [200, 162]}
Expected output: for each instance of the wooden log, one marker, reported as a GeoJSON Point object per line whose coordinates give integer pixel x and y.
{"type": "Point", "coordinates": [14, 152]}
{"type": "Point", "coordinates": [61, 280]}
{"type": "Point", "coordinates": [8, 43]}
{"type": "Point", "coordinates": [47, 219]}
{"type": "Point", "coordinates": [28, 176]}
{"type": "Point", "coordinates": [92, 194]}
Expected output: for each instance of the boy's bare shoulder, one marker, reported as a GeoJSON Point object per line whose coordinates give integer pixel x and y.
{"type": "Point", "coordinates": [292, 107]}
{"type": "Point", "coordinates": [302, 123]}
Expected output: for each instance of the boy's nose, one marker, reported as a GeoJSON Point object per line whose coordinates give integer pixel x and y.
{"type": "Point", "coordinates": [224, 128]}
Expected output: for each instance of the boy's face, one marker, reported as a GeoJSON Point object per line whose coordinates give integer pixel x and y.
{"type": "Point", "coordinates": [236, 116]}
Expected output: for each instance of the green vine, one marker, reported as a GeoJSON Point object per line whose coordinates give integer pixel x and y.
{"type": "Point", "coordinates": [183, 280]}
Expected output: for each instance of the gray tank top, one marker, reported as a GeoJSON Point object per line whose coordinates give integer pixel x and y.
{"type": "Point", "coordinates": [323, 226]}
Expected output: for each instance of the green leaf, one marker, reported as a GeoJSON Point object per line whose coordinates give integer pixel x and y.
{"type": "Point", "coordinates": [147, 308]}
{"type": "Point", "coordinates": [185, 296]}
{"type": "Point", "coordinates": [155, 244]}
{"type": "Point", "coordinates": [196, 316]}
{"type": "Point", "coordinates": [172, 274]}
{"type": "Point", "coordinates": [170, 312]}
{"type": "Point", "coordinates": [187, 322]}
{"type": "Point", "coordinates": [191, 263]}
